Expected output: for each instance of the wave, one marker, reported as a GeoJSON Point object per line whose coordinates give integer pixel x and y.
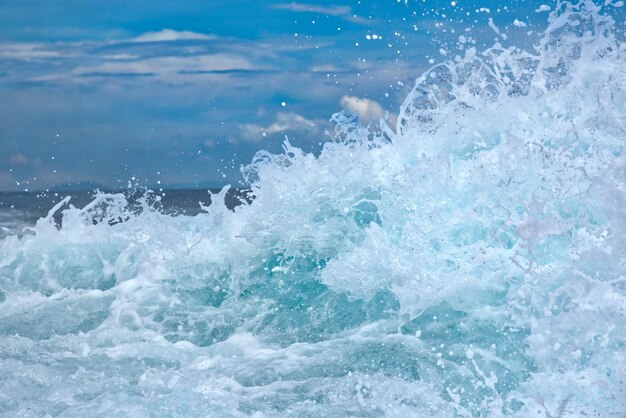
{"type": "Point", "coordinates": [470, 262]}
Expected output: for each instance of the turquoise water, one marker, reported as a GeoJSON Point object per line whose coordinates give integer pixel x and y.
{"type": "Point", "coordinates": [470, 262]}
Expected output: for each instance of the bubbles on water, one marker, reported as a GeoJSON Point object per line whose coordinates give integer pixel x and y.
{"type": "Point", "coordinates": [471, 263]}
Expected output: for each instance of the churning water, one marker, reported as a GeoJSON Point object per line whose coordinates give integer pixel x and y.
{"type": "Point", "coordinates": [470, 263]}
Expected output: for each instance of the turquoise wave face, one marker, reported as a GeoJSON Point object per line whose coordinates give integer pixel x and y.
{"type": "Point", "coordinates": [470, 262]}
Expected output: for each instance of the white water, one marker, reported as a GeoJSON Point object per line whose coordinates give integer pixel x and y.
{"type": "Point", "coordinates": [471, 264]}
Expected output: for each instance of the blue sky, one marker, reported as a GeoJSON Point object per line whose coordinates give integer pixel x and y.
{"type": "Point", "coordinates": [186, 92]}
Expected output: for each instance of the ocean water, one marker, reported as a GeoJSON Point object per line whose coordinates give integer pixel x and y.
{"type": "Point", "coordinates": [20, 211]}
{"type": "Point", "coordinates": [470, 262]}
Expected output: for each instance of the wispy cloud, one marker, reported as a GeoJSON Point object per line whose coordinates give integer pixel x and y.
{"type": "Point", "coordinates": [314, 8]}
{"type": "Point", "coordinates": [134, 57]}
{"type": "Point", "coordinates": [170, 69]}
{"type": "Point", "coordinates": [168, 35]}
{"type": "Point", "coordinates": [344, 12]}
{"type": "Point", "coordinates": [164, 55]}
{"type": "Point", "coordinates": [120, 99]}
{"type": "Point", "coordinates": [24, 51]}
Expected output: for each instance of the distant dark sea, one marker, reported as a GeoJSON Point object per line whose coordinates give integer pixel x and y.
{"type": "Point", "coordinates": [20, 210]}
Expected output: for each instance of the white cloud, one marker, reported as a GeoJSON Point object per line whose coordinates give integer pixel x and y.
{"type": "Point", "coordinates": [170, 69]}
{"type": "Point", "coordinates": [340, 11]}
{"type": "Point", "coordinates": [367, 110]}
{"type": "Point", "coordinates": [285, 121]}
{"type": "Point", "coordinates": [327, 68]}
{"type": "Point", "coordinates": [174, 65]}
{"type": "Point", "coordinates": [314, 8]}
{"type": "Point", "coordinates": [120, 57]}
{"type": "Point", "coordinates": [28, 51]}
{"type": "Point", "coordinates": [167, 35]}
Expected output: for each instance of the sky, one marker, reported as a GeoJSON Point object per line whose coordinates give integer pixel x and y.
{"type": "Point", "coordinates": [182, 94]}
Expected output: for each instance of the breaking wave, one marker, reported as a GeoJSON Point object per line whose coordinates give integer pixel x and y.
{"type": "Point", "coordinates": [470, 262]}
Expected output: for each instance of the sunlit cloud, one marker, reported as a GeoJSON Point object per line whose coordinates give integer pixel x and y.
{"type": "Point", "coordinates": [367, 110]}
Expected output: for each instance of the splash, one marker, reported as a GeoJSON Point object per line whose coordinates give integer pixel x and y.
{"type": "Point", "coordinates": [471, 263]}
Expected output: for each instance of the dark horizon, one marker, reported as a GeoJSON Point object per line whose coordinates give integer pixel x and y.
{"type": "Point", "coordinates": [90, 186]}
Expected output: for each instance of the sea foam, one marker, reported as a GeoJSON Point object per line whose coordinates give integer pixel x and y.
{"type": "Point", "coordinates": [470, 261]}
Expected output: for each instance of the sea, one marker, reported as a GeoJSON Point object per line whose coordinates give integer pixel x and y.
{"type": "Point", "coordinates": [20, 211]}
{"type": "Point", "coordinates": [469, 261]}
